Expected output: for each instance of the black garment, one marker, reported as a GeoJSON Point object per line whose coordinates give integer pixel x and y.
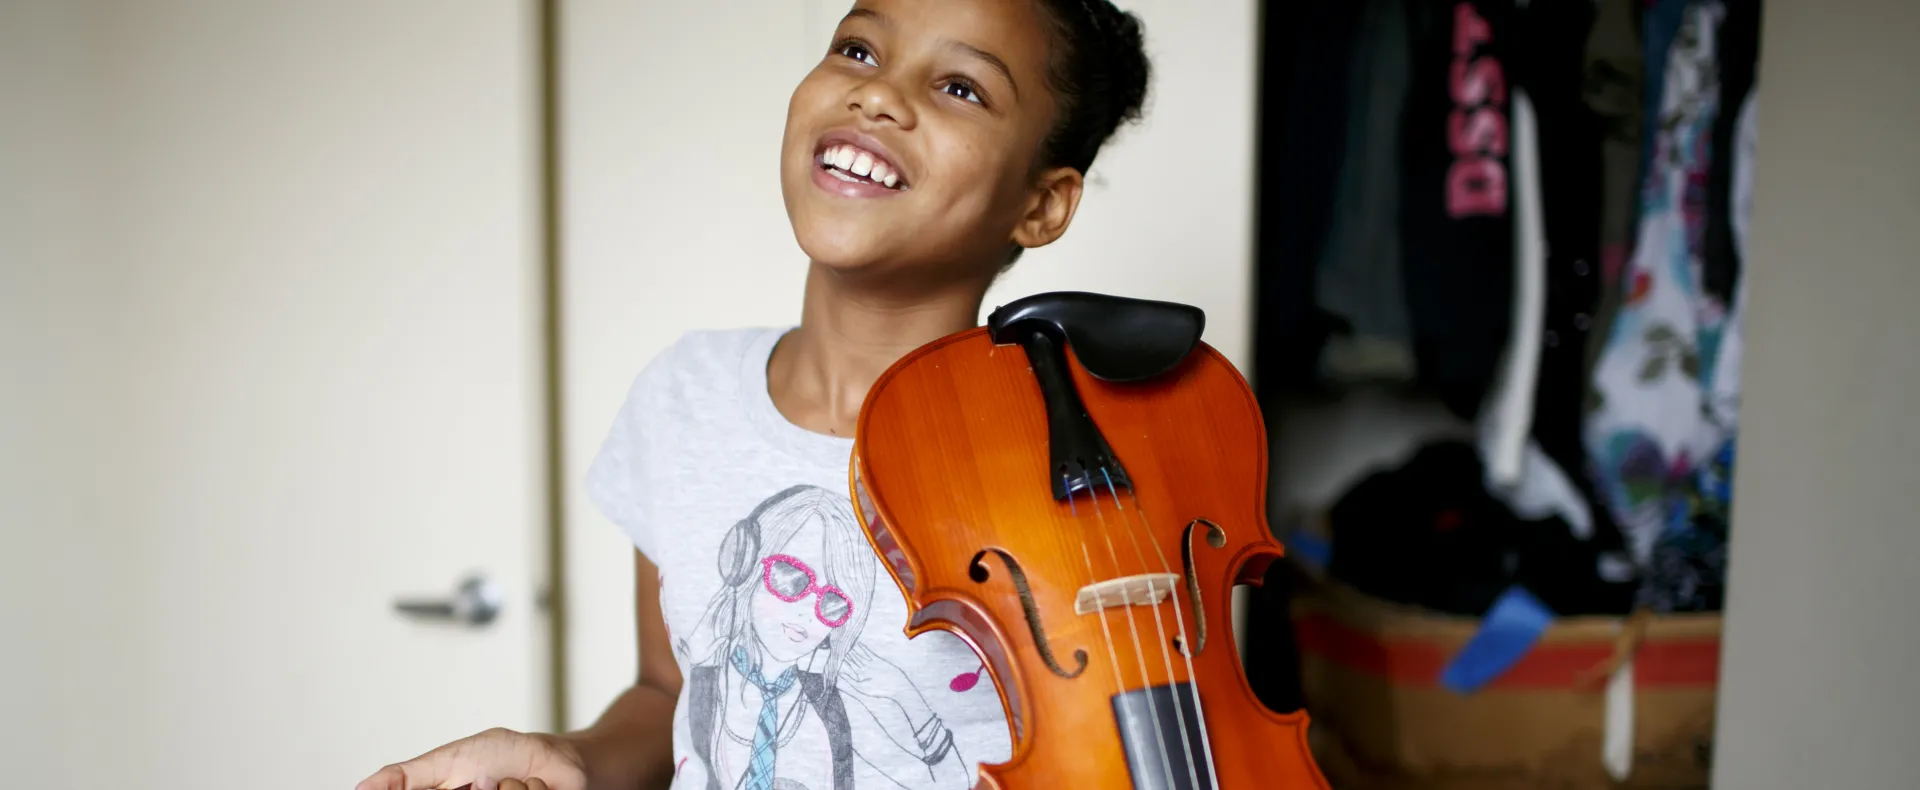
{"type": "Point", "coordinates": [1456, 200]}
{"type": "Point", "coordinates": [1358, 276]}
{"type": "Point", "coordinates": [1302, 140]}
{"type": "Point", "coordinates": [1738, 51]}
{"type": "Point", "coordinates": [1549, 63]}
{"type": "Point", "coordinates": [1429, 534]}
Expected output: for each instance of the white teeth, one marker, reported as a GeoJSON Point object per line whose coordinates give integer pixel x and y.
{"type": "Point", "coordinates": [848, 159]}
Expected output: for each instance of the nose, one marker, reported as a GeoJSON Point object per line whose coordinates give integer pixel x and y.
{"type": "Point", "coordinates": [878, 100]}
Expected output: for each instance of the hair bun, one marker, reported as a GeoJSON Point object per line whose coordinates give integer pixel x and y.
{"type": "Point", "coordinates": [1100, 75]}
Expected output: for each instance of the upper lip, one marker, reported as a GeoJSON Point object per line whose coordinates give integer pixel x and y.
{"type": "Point", "coordinates": [864, 141]}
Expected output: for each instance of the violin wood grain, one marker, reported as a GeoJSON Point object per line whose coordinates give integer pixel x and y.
{"type": "Point", "coordinates": [950, 475]}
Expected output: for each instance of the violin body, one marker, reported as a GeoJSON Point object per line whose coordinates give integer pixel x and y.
{"type": "Point", "coordinates": [1075, 490]}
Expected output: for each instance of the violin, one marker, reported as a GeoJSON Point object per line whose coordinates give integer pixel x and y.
{"type": "Point", "coordinates": [1075, 489]}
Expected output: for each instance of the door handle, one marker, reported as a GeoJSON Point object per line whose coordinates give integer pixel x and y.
{"type": "Point", "coordinates": [476, 603]}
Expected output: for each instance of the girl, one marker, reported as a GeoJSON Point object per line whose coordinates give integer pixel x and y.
{"type": "Point", "coordinates": [935, 142]}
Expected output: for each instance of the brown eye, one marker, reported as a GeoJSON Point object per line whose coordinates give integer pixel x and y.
{"type": "Point", "coordinates": [854, 50]}
{"type": "Point", "coordinates": [962, 90]}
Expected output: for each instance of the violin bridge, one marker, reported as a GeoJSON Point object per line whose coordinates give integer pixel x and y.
{"type": "Point", "coordinates": [1147, 589]}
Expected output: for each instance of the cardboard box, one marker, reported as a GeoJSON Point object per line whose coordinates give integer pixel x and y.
{"type": "Point", "coordinates": [1370, 674]}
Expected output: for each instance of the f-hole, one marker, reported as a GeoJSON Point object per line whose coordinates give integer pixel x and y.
{"type": "Point", "coordinates": [977, 571]}
{"type": "Point", "coordinates": [1217, 538]}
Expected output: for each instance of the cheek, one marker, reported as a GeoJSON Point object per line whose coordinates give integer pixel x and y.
{"type": "Point", "coordinates": [979, 180]}
{"type": "Point", "coordinates": [816, 94]}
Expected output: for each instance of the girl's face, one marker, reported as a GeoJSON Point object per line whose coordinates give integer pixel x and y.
{"type": "Point", "coordinates": [911, 145]}
{"type": "Point", "coordinates": [795, 607]}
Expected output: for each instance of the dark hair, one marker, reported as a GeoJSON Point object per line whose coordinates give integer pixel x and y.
{"type": "Point", "coordinates": [1099, 75]}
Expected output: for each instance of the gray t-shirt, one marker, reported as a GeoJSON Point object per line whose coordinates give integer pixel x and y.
{"type": "Point", "coordinates": [787, 630]}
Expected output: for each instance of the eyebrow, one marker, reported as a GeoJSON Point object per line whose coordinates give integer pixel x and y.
{"type": "Point", "coordinates": [989, 58]}
{"type": "Point", "coordinates": [868, 13]}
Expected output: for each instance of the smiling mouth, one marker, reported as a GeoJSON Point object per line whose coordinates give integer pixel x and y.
{"type": "Point", "coordinates": [794, 632]}
{"type": "Point", "coordinates": [855, 165]}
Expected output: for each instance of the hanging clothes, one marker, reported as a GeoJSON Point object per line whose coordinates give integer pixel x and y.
{"type": "Point", "coordinates": [1303, 141]}
{"type": "Point", "coordinates": [1739, 54]}
{"type": "Point", "coordinates": [1660, 24]}
{"type": "Point", "coordinates": [1456, 213]}
{"type": "Point", "coordinates": [1532, 426]}
{"type": "Point", "coordinates": [1654, 25]}
{"type": "Point", "coordinates": [1549, 66]}
{"type": "Point", "coordinates": [1359, 272]}
{"type": "Point", "coordinates": [1614, 89]}
{"type": "Point", "coordinates": [1662, 434]}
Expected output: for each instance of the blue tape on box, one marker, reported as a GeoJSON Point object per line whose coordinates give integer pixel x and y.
{"type": "Point", "coordinates": [1510, 628]}
{"type": "Point", "coordinates": [1309, 549]}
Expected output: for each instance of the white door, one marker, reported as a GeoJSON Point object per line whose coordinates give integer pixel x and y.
{"type": "Point", "coordinates": [270, 308]}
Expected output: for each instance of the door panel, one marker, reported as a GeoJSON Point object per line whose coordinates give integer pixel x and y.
{"type": "Point", "coordinates": [318, 227]}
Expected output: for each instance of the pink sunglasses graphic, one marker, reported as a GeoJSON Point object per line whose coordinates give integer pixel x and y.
{"type": "Point", "coordinates": [790, 580]}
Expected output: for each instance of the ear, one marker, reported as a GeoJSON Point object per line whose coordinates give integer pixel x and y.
{"type": "Point", "coordinates": [1051, 201]}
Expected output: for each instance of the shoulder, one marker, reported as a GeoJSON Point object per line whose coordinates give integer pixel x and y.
{"type": "Point", "coordinates": [701, 364]}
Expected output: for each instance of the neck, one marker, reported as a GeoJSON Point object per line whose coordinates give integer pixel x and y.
{"type": "Point", "coordinates": [851, 332]}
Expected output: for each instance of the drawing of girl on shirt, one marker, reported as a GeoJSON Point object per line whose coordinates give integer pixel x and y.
{"type": "Point", "coordinates": [776, 659]}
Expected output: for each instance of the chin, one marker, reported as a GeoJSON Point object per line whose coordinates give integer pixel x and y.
{"type": "Point", "coordinates": [842, 258]}
{"type": "Point", "coordinates": [840, 243]}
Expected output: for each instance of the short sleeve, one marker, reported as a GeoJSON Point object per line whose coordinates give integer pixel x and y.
{"type": "Point", "coordinates": [616, 480]}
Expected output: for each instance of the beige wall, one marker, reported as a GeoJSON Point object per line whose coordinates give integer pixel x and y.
{"type": "Point", "coordinates": [65, 632]}
{"type": "Point", "coordinates": [1818, 685]}
{"type": "Point", "coordinates": [674, 218]}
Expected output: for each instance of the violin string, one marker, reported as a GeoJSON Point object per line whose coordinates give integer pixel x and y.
{"type": "Point", "coordinates": [1186, 644]}
{"type": "Point", "coordinates": [1139, 655]}
{"type": "Point", "coordinates": [1159, 625]}
{"type": "Point", "coordinates": [1113, 654]}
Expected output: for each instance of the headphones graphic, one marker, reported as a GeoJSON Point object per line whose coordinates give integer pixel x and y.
{"type": "Point", "coordinates": [740, 550]}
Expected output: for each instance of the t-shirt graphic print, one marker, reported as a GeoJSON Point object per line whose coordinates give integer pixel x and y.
{"type": "Point", "coordinates": [787, 630]}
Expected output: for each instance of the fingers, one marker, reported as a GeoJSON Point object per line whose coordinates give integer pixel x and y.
{"type": "Point", "coordinates": [471, 763]}
{"type": "Point", "coordinates": [419, 774]}
{"type": "Point", "coordinates": [388, 778]}
{"type": "Point", "coordinates": [427, 771]}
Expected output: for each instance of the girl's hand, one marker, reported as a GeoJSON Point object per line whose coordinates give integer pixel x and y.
{"type": "Point", "coordinates": [497, 759]}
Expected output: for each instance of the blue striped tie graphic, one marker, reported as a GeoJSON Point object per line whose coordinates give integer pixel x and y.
{"type": "Point", "coordinates": [760, 760]}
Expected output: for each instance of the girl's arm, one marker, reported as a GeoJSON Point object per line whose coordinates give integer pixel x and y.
{"type": "Point", "coordinates": [631, 745]}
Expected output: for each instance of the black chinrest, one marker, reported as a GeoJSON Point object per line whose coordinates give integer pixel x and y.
{"type": "Point", "coordinates": [1116, 338]}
